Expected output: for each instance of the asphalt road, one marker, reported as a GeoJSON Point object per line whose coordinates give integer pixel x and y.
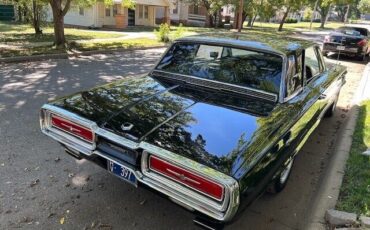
{"type": "Point", "coordinates": [43, 188]}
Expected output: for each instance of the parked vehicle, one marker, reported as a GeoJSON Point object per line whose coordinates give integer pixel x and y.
{"type": "Point", "coordinates": [352, 41]}
{"type": "Point", "coordinates": [218, 120]}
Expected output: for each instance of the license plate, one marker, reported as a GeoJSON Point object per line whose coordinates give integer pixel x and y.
{"type": "Point", "coordinates": [341, 47]}
{"type": "Point", "coordinates": [122, 172]}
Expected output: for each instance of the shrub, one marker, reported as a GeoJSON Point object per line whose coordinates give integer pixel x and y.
{"type": "Point", "coordinates": [291, 20]}
{"type": "Point", "coordinates": [163, 33]}
{"type": "Point", "coordinates": [179, 32]}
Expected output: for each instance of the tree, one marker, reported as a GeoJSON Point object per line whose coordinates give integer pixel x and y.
{"type": "Point", "coordinates": [60, 9]}
{"type": "Point", "coordinates": [287, 6]}
{"type": "Point", "coordinates": [213, 8]}
{"type": "Point", "coordinates": [364, 6]}
{"type": "Point", "coordinates": [31, 12]}
{"type": "Point", "coordinates": [323, 7]}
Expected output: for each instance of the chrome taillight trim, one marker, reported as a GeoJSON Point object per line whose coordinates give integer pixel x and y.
{"type": "Point", "coordinates": [63, 136]}
{"type": "Point", "coordinates": [222, 211]}
{"type": "Point", "coordinates": [180, 194]}
{"type": "Point", "coordinates": [192, 171]}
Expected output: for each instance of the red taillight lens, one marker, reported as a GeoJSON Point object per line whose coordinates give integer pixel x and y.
{"type": "Point", "coordinates": [183, 176]}
{"type": "Point", "coordinates": [327, 38]}
{"type": "Point", "coordinates": [72, 128]}
{"type": "Point", "coordinates": [363, 42]}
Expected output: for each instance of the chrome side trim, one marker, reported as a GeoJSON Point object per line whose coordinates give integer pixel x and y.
{"type": "Point", "coordinates": [222, 211]}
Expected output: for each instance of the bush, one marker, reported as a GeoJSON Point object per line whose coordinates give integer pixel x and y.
{"type": "Point", "coordinates": [163, 33]}
{"type": "Point", "coordinates": [179, 32]}
{"type": "Point", "coordinates": [291, 20]}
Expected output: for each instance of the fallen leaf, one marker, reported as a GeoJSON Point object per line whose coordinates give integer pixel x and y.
{"type": "Point", "coordinates": [61, 220]}
{"type": "Point", "coordinates": [35, 182]}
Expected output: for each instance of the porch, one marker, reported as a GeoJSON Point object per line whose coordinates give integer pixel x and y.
{"type": "Point", "coordinates": [120, 17]}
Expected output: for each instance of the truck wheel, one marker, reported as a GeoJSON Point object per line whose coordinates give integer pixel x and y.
{"type": "Point", "coordinates": [281, 180]}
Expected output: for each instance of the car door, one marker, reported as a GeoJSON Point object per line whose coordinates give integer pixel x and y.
{"type": "Point", "coordinates": [310, 101]}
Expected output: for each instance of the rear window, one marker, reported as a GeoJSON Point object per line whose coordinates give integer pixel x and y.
{"type": "Point", "coordinates": [235, 66]}
{"type": "Point", "coordinates": [353, 31]}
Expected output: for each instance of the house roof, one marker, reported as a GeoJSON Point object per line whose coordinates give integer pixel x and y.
{"type": "Point", "coordinates": [271, 43]}
{"type": "Point", "coordinates": [148, 2]}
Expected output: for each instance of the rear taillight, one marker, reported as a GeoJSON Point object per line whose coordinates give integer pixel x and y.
{"type": "Point", "coordinates": [186, 177]}
{"type": "Point", "coordinates": [327, 38]}
{"type": "Point", "coordinates": [72, 128]}
{"type": "Point", "coordinates": [363, 42]}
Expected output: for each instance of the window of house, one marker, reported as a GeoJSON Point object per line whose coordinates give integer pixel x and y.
{"type": "Point", "coordinates": [176, 9]}
{"type": "Point", "coordinates": [196, 9]}
{"type": "Point", "coordinates": [294, 80]}
{"type": "Point", "coordinates": [143, 11]}
{"type": "Point", "coordinates": [81, 11]}
{"type": "Point", "coordinates": [140, 11]}
{"type": "Point", "coordinates": [115, 10]}
{"type": "Point", "coordinates": [146, 12]}
{"type": "Point", "coordinates": [107, 12]}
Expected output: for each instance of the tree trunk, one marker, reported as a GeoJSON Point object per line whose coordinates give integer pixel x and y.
{"type": "Point", "coordinates": [254, 19]}
{"type": "Point", "coordinates": [324, 16]}
{"type": "Point", "coordinates": [283, 19]}
{"type": "Point", "coordinates": [59, 38]}
{"type": "Point", "coordinates": [19, 13]}
{"type": "Point", "coordinates": [250, 21]}
{"type": "Point", "coordinates": [36, 17]}
{"type": "Point", "coordinates": [346, 14]}
{"type": "Point", "coordinates": [58, 15]}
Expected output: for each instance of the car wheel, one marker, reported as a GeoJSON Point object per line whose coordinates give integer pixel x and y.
{"type": "Point", "coordinates": [331, 109]}
{"type": "Point", "coordinates": [364, 58]}
{"type": "Point", "coordinates": [281, 180]}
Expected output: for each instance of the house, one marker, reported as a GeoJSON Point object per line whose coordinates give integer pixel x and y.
{"type": "Point", "coordinates": [116, 16]}
{"type": "Point", "coordinates": [185, 13]}
{"type": "Point", "coordinates": [7, 11]}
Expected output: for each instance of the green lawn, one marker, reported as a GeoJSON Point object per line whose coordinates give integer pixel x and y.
{"type": "Point", "coordinates": [19, 39]}
{"type": "Point", "coordinates": [299, 25]}
{"type": "Point", "coordinates": [355, 192]}
{"type": "Point", "coordinates": [24, 33]}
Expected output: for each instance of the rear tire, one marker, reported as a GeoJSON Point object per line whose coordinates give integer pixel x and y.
{"type": "Point", "coordinates": [279, 183]}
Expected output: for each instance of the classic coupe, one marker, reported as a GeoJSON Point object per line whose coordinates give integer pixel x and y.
{"type": "Point", "coordinates": [347, 40]}
{"type": "Point", "coordinates": [218, 121]}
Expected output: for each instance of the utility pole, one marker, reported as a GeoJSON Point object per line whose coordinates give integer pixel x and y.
{"type": "Point", "coordinates": [240, 18]}
{"type": "Point", "coordinates": [313, 14]}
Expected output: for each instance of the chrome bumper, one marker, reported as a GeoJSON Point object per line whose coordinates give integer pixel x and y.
{"type": "Point", "coordinates": [222, 211]}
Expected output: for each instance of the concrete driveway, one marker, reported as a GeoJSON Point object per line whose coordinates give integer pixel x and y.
{"type": "Point", "coordinates": [43, 188]}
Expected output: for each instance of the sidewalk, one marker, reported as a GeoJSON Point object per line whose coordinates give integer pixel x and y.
{"type": "Point", "coordinates": [327, 196]}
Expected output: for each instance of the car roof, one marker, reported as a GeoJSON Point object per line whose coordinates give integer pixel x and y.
{"type": "Point", "coordinates": [278, 44]}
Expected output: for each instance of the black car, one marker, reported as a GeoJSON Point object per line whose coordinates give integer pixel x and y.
{"type": "Point", "coordinates": [348, 40]}
{"type": "Point", "coordinates": [218, 120]}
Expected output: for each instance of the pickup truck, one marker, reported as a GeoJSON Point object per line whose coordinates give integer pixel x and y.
{"type": "Point", "coordinates": [216, 123]}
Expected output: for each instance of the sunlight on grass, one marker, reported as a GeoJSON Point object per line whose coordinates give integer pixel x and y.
{"type": "Point", "coordinates": [128, 43]}
{"type": "Point", "coordinates": [355, 192]}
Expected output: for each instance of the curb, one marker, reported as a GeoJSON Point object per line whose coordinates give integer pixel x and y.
{"type": "Point", "coordinates": [327, 196]}
{"type": "Point", "coordinates": [66, 55]}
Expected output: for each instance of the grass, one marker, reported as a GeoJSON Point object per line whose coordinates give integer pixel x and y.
{"type": "Point", "coordinates": [355, 192]}
{"type": "Point", "coordinates": [299, 25]}
{"type": "Point", "coordinates": [24, 33]}
{"type": "Point", "coordinates": [19, 39]}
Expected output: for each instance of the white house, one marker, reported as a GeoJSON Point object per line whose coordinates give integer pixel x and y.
{"type": "Point", "coordinates": [116, 16]}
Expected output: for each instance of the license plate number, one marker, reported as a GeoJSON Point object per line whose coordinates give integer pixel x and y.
{"type": "Point", "coordinates": [122, 172]}
{"type": "Point", "coordinates": [341, 47]}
